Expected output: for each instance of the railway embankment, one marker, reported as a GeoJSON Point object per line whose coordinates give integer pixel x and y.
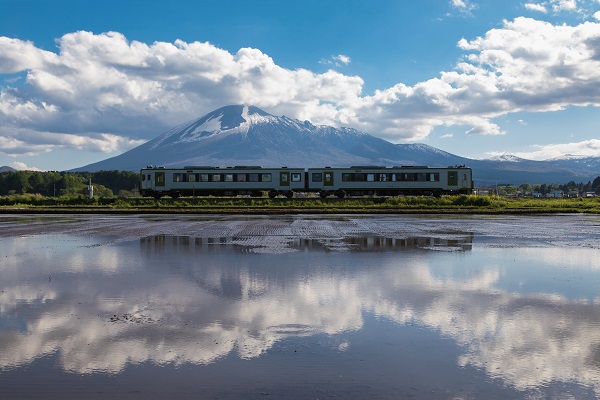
{"type": "Point", "coordinates": [248, 205]}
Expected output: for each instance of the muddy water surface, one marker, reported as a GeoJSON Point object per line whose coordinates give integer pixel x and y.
{"type": "Point", "coordinates": [350, 307]}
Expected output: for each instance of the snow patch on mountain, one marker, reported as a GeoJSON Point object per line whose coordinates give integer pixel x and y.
{"type": "Point", "coordinates": [222, 122]}
{"type": "Point", "coordinates": [507, 158]}
{"type": "Point", "coordinates": [211, 125]}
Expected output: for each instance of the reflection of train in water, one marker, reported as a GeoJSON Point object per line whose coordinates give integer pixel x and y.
{"type": "Point", "coordinates": [354, 181]}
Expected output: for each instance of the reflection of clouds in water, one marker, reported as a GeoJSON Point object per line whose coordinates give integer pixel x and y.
{"type": "Point", "coordinates": [528, 341]}
{"type": "Point", "coordinates": [198, 328]}
{"type": "Point", "coordinates": [582, 259]}
{"type": "Point", "coordinates": [11, 298]}
{"type": "Point", "coordinates": [199, 315]}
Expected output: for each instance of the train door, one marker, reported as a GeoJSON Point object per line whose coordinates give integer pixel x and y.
{"type": "Point", "coordinates": [284, 178]}
{"type": "Point", "coordinates": [159, 179]}
{"type": "Point", "coordinates": [146, 178]}
{"type": "Point", "coordinates": [452, 179]}
{"type": "Point", "coordinates": [328, 178]}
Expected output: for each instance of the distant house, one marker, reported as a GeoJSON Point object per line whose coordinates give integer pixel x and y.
{"type": "Point", "coordinates": [555, 194]}
{"type": "Point", "coordinates": [536, 195]}
{"type": "Point", "coordinates": [573, 193]}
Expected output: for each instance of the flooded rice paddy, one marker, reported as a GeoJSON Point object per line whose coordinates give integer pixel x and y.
{"type": "Point", "coordinates": [310, 307]}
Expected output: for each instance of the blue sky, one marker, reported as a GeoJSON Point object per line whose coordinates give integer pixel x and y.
{"type": "Point", "coordinates": [82, 81]}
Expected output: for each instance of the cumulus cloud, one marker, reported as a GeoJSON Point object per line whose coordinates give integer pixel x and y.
{"type": "Point", "coordinates": [564, 5]}
{"type": "Point", "coordinates": [557, 6]}
{"type": "Point", "coordinates": [102, 92]}
{"type": "Point", "coordinates": [21, 166]}
{"type": "Point", "coordinates": [463, 6]}
{"type": "Point", "coordinates": [586, 148]}
{"type": "Point", "coordinates": [536, 7]}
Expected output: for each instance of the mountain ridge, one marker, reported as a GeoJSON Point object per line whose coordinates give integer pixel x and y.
{"type": "Point", "coordinates": [247, 135]}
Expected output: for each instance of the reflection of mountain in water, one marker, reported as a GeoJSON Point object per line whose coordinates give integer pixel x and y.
{"type": "Point", "coordinates": [184, 244]}
{"type": "Point", "coordinates": [234, 283]}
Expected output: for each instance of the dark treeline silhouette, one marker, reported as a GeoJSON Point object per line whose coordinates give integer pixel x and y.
{"type": "Point", "coordinates": [54, 184]}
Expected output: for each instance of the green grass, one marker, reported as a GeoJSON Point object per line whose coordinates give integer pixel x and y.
{"type": "Point", "coordinates": [409, 204]}
{"type": "Point", "coordinates": [416, 204]}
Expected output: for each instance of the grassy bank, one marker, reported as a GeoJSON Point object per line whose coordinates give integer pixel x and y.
{"type": "Point", "coordinates": [445, 204]}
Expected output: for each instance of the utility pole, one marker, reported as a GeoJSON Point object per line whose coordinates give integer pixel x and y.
{"type": "Point", "coordinates": [91, 190]}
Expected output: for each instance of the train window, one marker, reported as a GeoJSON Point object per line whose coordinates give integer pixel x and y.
{"type": "Point", "coordinates": [241, 177]}
{"type": "Point", "coordinates": [216, 178]}
{"type": "Point", "coordinates": [143, 177]}
{"type": "Point", "coordinates": [266, 177]}
{"type": "Point", "coordinates": [177, 177]}
{"type": "Point", "coordinates": [253, 177]}
{"type": "Point", "coordinates": [228, 178]}
{"type": "Point", "coordinates": [203, 177]}
{"type": "Point", "coordinates": [393, 176]}
{"type": "Point", "coordinates": [317, 177]}
{"type": "Point", "coordinates": [370, 177]}
{"type": "Point", "coordinates": [383, 177]}
{"type": "Point", "coordinates": [191, 177]}
{"type": "Point", "coordinates": [434, 177]}
{"type": "Point", "coordinates": [296, 177]}
{"type": "Point", "coordinates": [347, 177]}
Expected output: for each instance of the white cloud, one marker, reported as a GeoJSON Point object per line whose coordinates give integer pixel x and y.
{"type": "Point", "coordinates": [558, 6]}
{"type": "Point", "coordinates": [536, 7]}
{"type": "Point", "coordinates": [447, 136]}
{"type": "Point", "coordinates": [21, 166]}
{"type": "Point", "coordinates": [28, 142]}
{"type": "Point", "coordinates": [104, 93]}
{"type": "Point", "coordinates": [343, 59]}
{"type": "Point", "coordinates": [564, 5]}
{"type": "Point", "coordinates": [597, 15]}
{"type": "Point", "coordinates": [464, 6]}
{"type": "Point", "coordinates": [338, 60]}
{"type": "Point", "coordinates": [17, 55]}
{"type": "Point", "coordinates": [587, 148]}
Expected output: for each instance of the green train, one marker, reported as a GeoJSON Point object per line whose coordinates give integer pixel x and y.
{"type": "Point", "coordinates": [255, 181]}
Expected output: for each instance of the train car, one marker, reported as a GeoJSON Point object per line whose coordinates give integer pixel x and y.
{"type": "Point", "coordinates": [390, 181]}
{"type": "Point", "coordinates": [230, 181]}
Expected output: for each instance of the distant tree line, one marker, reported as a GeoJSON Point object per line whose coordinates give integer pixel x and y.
{"type": "Point", "coordinates": [55, 184]}
{"type": "Point", "coordinates": [124, 184]}
{"type": "Point", "coordinates": [543, 189]}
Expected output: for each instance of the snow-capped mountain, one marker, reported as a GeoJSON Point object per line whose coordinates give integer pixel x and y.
{"type": "Point", "coordinates": [591, 164]}
{"type": "Point", "coordinates": [508, 158]}
{"type": "Point", "coordinates": [246, 135]}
